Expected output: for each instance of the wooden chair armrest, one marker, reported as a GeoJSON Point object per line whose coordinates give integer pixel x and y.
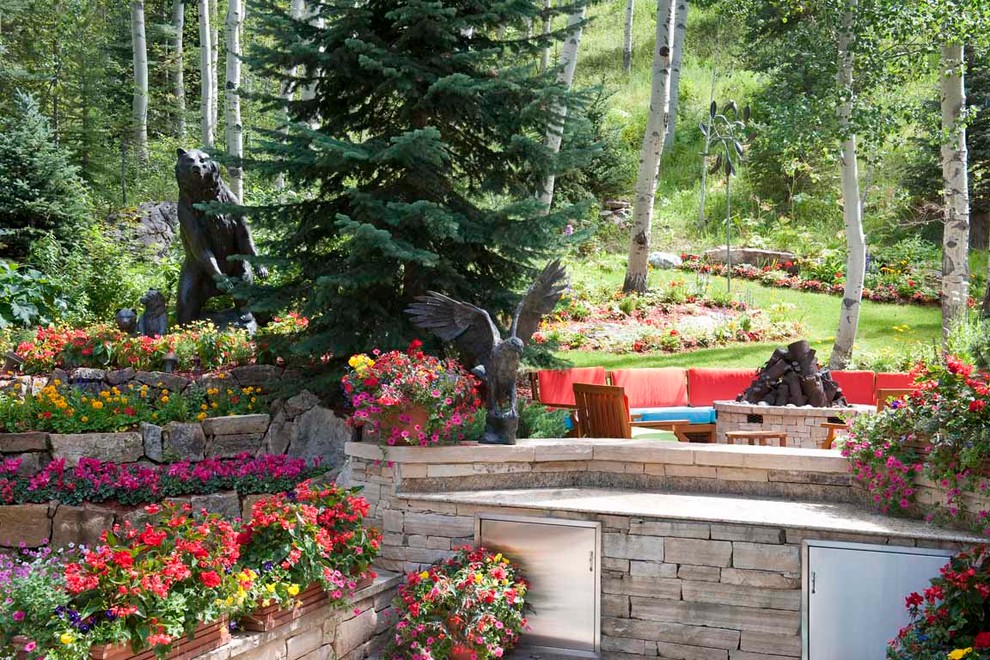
{"type": "Point", "coordinates": [663, 426]}
{"type": "Point", "coordinates": [834, 425]}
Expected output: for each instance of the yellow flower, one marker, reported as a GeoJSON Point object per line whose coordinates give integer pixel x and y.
{"type": "Point", "coordinates": [201, 416]}
{"type": "Point", "coordinates": [424, 575]}
{"type": "Point", "coordinates": [104, 394]}
{"type": "Point", "coordinates": [253, 399]}
{"type": "Point", "coordinates": [266, 602]}
{"type": "Point", "coordinates": [165, 398]}
{"type": "Point", "coordinates": [270, 588]}
{"type": "Point", "coordinates": [213, 405]}
{"type": "Point", "coordinates": [97, 405]}
{"type": "Point", "coordinates": [477, 578]}
{"type": "Point", "coordinates": [960, 653]}
{"type": "Point", "coordinates": [84, 419]}
{"type": "Point", "coordinates": [154, 415]}
{"type": "Point", "coordinates": [221, 376]}
{"type": "Point", "coordinates": [203, 406]}
{"type": "Point", "coordinates": [67, 639]}
{"type": "Point", "coordinates": [293, 589]}
{"type": "Point", "coordinates": [123, 399]}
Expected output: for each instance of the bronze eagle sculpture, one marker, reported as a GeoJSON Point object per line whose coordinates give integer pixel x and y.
{"type": "Point", "coordinates": [478, 339]}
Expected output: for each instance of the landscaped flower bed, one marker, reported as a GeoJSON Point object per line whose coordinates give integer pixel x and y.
{"type": "Point", "coordinates": [929, 453]}
{"type": "Point", "coordinates": [887, 285]}
{"type": "Point", "coordinates": [147, 587]}
{"type": "Point", "coordinates": [467, 607]}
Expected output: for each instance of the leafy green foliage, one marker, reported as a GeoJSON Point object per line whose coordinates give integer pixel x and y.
{"type": "Point", "coordinates": [40, 191]}
{"type": "Point", "coordinates": [27, 297]}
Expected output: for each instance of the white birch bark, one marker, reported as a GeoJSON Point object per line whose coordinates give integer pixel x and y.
{"type": "Point", "coordinates": [637, 269]}
{"type": "Point", "coordinates": [139, 105]}
{"type": "Point", "coordinates": [309, 91]}
{"type": "Point", "coordinates": [547, 26]}
{"type": "Point", "coordinates": [179, 83]}
{"type": "Point", "coordinates": [208, 126]}
{"type": "Point", "coordinates": [680, 29]}
{"type": "Point", "coordinates": [627, 42]}
{"type": "Point", "coordinates": [297, 10]}
{"type": "Point", "coordinates": [852, 207]}
{"type": "Point", "coordinates": [955, 237]}
{"type": "Point", "coordinates": [558, 111]}
{"type": "Point", "coordinates": [215, 63]}
{"type": "Point", "coordinates": [235, 131]}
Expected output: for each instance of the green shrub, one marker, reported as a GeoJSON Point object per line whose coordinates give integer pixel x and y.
{"type": "Point", "coordinates": [27, 297]}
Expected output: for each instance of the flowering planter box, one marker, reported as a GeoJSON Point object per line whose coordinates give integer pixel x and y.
{"type": "Point", "coordinates": [208, 636]}
{"type": "Point", "coordinates": [270, 617]}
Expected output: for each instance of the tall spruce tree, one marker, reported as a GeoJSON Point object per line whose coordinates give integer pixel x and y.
{"type": "Point", "coordinates": [422, 172]}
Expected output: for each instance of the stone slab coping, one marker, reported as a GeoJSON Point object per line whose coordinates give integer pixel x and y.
{"type": "Point", "coordinates": [700, 508]}
{"type": "Point", "coordinates": [605, 449]}
{"type": "Point", "coordinates": [789, 411]}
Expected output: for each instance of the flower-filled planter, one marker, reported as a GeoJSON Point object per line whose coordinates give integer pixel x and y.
{"type": "Point", "coordinates": [311, 536]}
{"type": "Point", "coordinates": [468, 607]}
{"type": "Point", "coordinates": [206, 637]}
{"type": "Point", "coordinates": [410, 398]}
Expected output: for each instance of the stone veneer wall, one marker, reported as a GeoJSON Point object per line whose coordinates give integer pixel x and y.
{"type": "Point", "coordinates": [803, 424]}
{"type": "Point", "coordinates": [352, 633]}
{"type": "Point", "coordinates": [707, 588]}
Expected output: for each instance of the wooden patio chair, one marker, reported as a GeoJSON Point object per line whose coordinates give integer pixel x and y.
{"type": "Point", "coordinates": [603, 412]}
{"type": "Point", "coordinates": [887, 396]}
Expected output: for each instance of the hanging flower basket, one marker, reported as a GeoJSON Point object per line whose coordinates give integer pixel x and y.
{"type": "Point", "coordinates": [208, 636]}
{"type": "Point", "coordinates": [272, 616]}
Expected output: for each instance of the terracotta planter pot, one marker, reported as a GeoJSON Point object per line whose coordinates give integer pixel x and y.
{"type": "Point", "coordinates": [270, 617]}
{"type": "Point", "coordinates": [208, 636]}
{"type": "Point", "coordinates": [405, 419]}
{"type": "Point", "coordinates": [462, 653]}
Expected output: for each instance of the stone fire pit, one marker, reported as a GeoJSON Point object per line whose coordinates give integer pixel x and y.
{"type": "Point", "coordinates": [802, 424]}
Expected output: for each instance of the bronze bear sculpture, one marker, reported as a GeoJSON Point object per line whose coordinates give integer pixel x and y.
{"type": "Point", "coordinates": [209, 240]}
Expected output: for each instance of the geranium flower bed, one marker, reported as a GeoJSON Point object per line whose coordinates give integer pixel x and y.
{"type": "Point", "coordinates": [940, 432]}
{"type": "Point", "coordinates": [469, 606]}
{"type": "Point", "coordinates": [670, 320]}
{"type": "Point", "coordinates": [134, 483]}
{"type": "Point", "coordinates": [148, 587]}
{"type": "Point", "coordinates": [887, 285]}
{"type": "Point", "coordinates": [198, 346]}
{"type": "Point", "coordinates": [59, 408]}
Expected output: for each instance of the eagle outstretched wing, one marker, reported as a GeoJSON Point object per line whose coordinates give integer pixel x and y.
{"type": "Point", "coordinates": [469, 327]}
{"type": "Point", "coordinates": [539, 300]}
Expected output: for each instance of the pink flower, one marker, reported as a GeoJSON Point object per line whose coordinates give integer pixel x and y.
{"type": "Point", "coordinates": [18, 615]}
{"type": "Point", "coordinates": [30, 646]}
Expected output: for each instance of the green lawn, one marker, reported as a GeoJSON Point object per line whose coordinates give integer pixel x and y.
{"type": "Point", "coordinates": [882, 327]}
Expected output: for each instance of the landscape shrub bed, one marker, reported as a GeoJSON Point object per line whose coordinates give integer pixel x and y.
{"type": "Point", "coordinates": [200, 346]}
{"type": "Point", "coordinates": [887, 284]}
{"type": "Point", "coordinates": [60, 408]}
{"type": "Point", "coordinates": [136, 483]}
{"type": "Point", "coordinates": [150, 586]}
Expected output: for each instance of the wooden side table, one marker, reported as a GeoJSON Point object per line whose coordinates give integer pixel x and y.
{"type": "Point", "coordinates": [755, 437]}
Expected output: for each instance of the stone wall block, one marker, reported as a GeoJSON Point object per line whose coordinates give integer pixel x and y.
{"type": "Point", "coordinates": [81, 525]}
{"type": "Point", "coordinates": [116, 447]}
{"type": "Point", "coordinates": [749, 534]}
{"type": "Point", "coordinates": [226, 503]}
{"type": "Point", "coordinates": [651, 569]}
{"type": "Point", "coordinates": [667, 588]}
{"type": "Point", "coordinates": [229, 446]}
{"type": "Point", "coordinates": [684, 652]}
{"type": "Point", "coordinates": [280, 434]}
{"type": "Point", "coordinates": [756, 642]}
{"type": "Point", "coordinates": [31, 463]}
{"type": "Point", "coordinates": [151, 436]}
{"type": "Point", "coordinates": [354, 632]}
{"type": "Point", "coordinates": [184, 442]}
{"type": "Point", "coordinates": [663, 528]}
{"type": "Point", "coordinates": [435, 524]}
{"type": "Point", "coordinates": [761, 556]}
{"type": "Point", "coordinates": [717, 616]}
{"type": "Point", "coordinates": [27, 523]}
{"type": "Point", "coordinates": [236, 424]}
{"type": "Point", "coordinates": [762, 579]}
{"type": "Point", "coordinates": [162, 381]}
{"type": "Point", "coordinates": [623, 546]}
{"type": "Point", "coordinates": [320, 434]}
{"type": "Point", "coordinates": [256, 375]}
{"type": "Point", "coordinates": [16, 443]}
{"type": "Point", "coordinates": [698, 552]}
{"type": "Point", "coordinates": [119, 377]}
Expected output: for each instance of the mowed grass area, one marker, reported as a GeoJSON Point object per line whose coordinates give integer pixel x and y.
{"type": "Point", "coordinates": [881, 326]}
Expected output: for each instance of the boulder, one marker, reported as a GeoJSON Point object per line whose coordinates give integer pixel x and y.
{"type": "Point", "coordinates": [150, 229]}
{"type": "Point", "coordinates": [14, 443]}
{"type": "Point", "coordinates": [664, 260]}
{"type": "Point", "coordinates": [320, 434]}
{"type": "Point", "coordinates": [236, 425]}
{"type": "Point", "coordinates": [81, 525]}
{"type": "Point", "coordinates": [32, 463]}
{"type": "Point", "coordinates": [748, 256]}
{"type": "Point", "coordinates": [281, 433]}
{"type": "Point", "coordinates": [162, 380]}
{"type": "Point", "coordinates": [257, 375]}
{"type": "Point", "coordinates": [151, 435]}
{"type": "Point", "coordinates": [116, 447]}
{"type": "Point", "coordinates": [120, 376]}
{"type": "Point", "coordinates": [88, 375]}
{"type": "Point", "coordinates": [300, 403]}
{"type": "Point", "coordinates": [229, 446]}
{"type": "Point", "coordinates": [225, 503]}
{"type": "Point", "coordinates": [183, 442]}
{"type": "Point", "coordinates": [29, 524]}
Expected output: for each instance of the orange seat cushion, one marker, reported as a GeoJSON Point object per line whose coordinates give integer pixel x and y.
{"type": "Point", "coordinates": [705, 386]}
{"type": "Point", "coordinates": [557, 385]}
{"type": "Point", "coordinates": [894, 381]}
{"type": "Point", "coordinates": [653, 388]}
{"type": "Point", "coordinates": [858, 386]}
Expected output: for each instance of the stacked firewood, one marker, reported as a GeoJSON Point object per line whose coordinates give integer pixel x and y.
{"type": "Point", "coordinates": [792, 377]}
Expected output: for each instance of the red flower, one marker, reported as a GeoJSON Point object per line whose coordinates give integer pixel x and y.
{"type": "Point", "coordinates": [123, 559]}
{"type": "Point", "coordinates": [210, 579]}
{"type": "Point", "coordinates": [982, 641]}
{"type": "Point", "coordinates": [977, 405]}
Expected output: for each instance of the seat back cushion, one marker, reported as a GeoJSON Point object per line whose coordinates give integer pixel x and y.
{"type": "Point", "coordinates": [653, 388]}
{"type": "Point", "coordinates": [858, 386]}
{"type": "Point", "coordinates": [705, 385]}
{"type": "Point", "coordinates": [894, 381]}
{"type": "Point", "coordinates": [557, 385]}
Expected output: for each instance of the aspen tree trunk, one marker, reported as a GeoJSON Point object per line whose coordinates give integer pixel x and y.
{"type": "Point", "coordinates": [955, 238]}
{"type": "Point", "coordinates": [637, 269]}
{"type": "Point", "coordinates": [558, 112]}
{"type": "Point", "coordinates": [206, 73]}
{"type": "Point", "coordinates": [852, 207]}
{"type": "Point", "coordinates": [309, 91]}
{"type": "Point", "coordinates": [627, 43]}
{"type": "Point", "coordinates": [215, 63]}
{"type": "Point", "coordinates": [297, 9]}
{"type": "Point", "coordinates": [235, 131]}
{"type": "Point", "coordinates": [547, 26]}
{"type": "Point", "coordinates": [139, 106]}
{"type": "Point", "coordinates": [680, 29]}
{"type": "Point", "coordinates": [179, 89]}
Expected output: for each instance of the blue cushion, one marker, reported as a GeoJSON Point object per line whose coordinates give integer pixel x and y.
{"type": "Point", "coordinates": [699, 415]}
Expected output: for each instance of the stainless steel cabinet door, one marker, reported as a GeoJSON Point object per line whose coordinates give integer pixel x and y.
{"type": "Point", "coordinates": [559, 558]}
{"type": "Point", "coordinates": [855, 596]}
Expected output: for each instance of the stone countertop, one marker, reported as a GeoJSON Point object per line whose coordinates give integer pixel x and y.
{"type": "Point", "coordinates": [791, 411]}
{"type": "Point", "coordinates": [604, 449]}
{"type": "Point", "coordinates": [704, 508]}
